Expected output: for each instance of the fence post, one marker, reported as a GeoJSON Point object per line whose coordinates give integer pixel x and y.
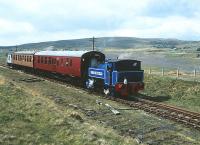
{"type": "Point", "coordinates": [195, 73]}
{"type": "Point", "coordinates": [162, 71]}
{"type": "Point", "coordinates": [150, 70]}
{"type": "Point", "coordinates": [177, 72]}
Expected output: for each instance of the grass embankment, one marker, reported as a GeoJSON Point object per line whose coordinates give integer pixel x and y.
{"type": "Point", "coordinates": [42, 112]}
{"type": "Point", "coordinates": [180, 93]}
{"type": "Point", "coordinates": [29, 118]}
{"type": "Point", "coordinates": [2, 58]}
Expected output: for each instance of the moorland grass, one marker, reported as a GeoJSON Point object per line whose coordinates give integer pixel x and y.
{"type": "Point", "coordinates": [185, 94]}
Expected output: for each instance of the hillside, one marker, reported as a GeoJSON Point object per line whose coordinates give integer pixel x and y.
{"type": "Point", "coordinates": [110, 42]}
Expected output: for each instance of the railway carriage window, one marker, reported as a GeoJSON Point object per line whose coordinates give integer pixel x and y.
{"type": "Point", "coordinates": [61, 62]}
{"type": "Point", "coordinates": [67, 62]}
{"type": "Point", "coordinates": [70, 62]}
{"type": "Point", "coordinates": [42, 60]}
{"type": "Point", "coordinates": [53, 61]}
{"type": "Point", "coordinates": [38, 59]}
{"type": "Point", "coordinates": [45, 60]}
{"type": "Point", "coordinates": [49, 60]}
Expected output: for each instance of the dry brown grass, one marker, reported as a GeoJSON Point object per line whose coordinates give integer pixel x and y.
{"type": "Point", "coordinates": [2, 80]}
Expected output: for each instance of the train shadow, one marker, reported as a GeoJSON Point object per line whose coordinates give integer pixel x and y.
{"type": "Point", "coordinates": [150, 98]}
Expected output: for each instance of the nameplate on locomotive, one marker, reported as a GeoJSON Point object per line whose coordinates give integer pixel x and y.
{"type": "Point", "coordinates": [96, 73]}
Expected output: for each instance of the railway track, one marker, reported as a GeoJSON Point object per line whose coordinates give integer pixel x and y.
{"type": "Point", "coordinates": [188, 118]}
{"type": "Point", "coordinates": [185, 117]}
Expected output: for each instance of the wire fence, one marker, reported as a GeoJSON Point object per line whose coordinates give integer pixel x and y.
{"type": "Point", "coordinates": [191, 75]}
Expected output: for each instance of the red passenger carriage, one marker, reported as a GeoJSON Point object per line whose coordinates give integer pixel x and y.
{"type": "Point", "coordinates": [71, 63]}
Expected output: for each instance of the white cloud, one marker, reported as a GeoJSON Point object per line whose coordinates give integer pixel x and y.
{"type": "Point", "coordinates": [23, 21]}
{"type": "Point", "coordinates": [170, 27]}
{"type": "Point", "coordinates": [12, 27]}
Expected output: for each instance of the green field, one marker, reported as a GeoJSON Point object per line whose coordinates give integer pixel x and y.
{"type": "Point", "coordinates": [185, 94]}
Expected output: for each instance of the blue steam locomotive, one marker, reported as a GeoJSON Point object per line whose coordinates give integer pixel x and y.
{"type": "Point", "coordinates": [119, 77]}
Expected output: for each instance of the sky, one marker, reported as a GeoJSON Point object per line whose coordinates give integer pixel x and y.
{"type": "Point", "coordinates": [27, 21]}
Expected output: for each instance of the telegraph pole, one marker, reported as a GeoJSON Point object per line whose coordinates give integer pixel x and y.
{"type": "Point", "coordinates": [93, 41]}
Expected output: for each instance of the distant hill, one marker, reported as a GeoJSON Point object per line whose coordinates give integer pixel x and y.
{"type": "Point", "coordinates": [109, 42]}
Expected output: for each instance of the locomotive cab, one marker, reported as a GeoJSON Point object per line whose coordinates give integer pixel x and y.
{"type": "Point", "coordinates": [90, 59]}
